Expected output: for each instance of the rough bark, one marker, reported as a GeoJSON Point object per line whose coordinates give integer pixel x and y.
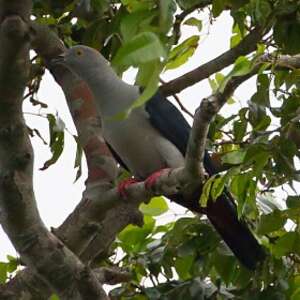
{"type": "Point", "coordinates": [39, 249]}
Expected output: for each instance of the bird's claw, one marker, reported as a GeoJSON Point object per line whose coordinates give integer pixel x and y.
{"type": "Point", "coordinates": [151, 180]}
{"type": "Point", "coordinates": [123, 185]}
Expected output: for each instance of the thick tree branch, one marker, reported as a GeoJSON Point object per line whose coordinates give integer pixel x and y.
{"type": "Point", "coordinates": [282, 61]}
{"type": "Point", "coordinates": [85, 221]}
{"type": "Point", "coordinates": [19, 215]}
{"type": "Point", "coordinates": [112, 275]}
{"type": "Point", "coordinates": [207, 110]}
{"type": "Point", "coordinates": [17, 288]}
{"type": "Point", "coordinates": [102, 169]}
{"type": "Point", "coordinates": [246, 46]}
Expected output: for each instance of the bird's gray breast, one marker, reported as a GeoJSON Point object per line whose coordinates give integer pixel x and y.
{"type": "Point", "coordinates": [140, 146]}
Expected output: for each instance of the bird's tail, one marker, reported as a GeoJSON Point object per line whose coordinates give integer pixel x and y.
{"type": "Point", "coordinates": [234, 231]}
{"type": "Point", "coordinates": [222, 214]}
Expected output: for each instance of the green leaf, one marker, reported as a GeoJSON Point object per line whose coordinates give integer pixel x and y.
{"type": "Point", "coordinates": [153, 70]}
{"type": "Point", "coordinates": [142, 48]}
{"type": "Point", "coordinates": [187, 248]}
{"type": "Point", "coordinates": [219, 78]}
{"type": "Point", "coordinates": [236, 4]}
{"type": "Point", "coordinates": [239, 130]}
{"type": "Point", "coordinates": [166, 9]}
{"type": "Point", "coordinates": [213, 84]}
{"type": "Point", "coordinates": [183, 266]}
{"type": "Point", "coordinates": [261, 97]}
{"type": "Point", "coordinates": [217, 7]}
{"type": "Point", "coordinates": [152, 294]}
{"type": "Point", "coordinates": [193, 22]}
{"type": "Point", "coordinates": [12, 264]}
{"type": "Point", "coordinates": [54, 297]}
{"type": "Point", "coordinates": [181, 53]}
{"type": "Point", "coordinates": [239, 187]}
{"type": "Point", "coordinates": [136, 22]}
{"type": "Point", "coordinates": [234, 157]}
{"type": "Point", "coordinates": [293, 201]}
{"type": "Point", "coordinates": [135, 5]}
{"type": "Point", "coordinates": [100, 6]}
{"type": "Point", "coordinates": [206, 192]}
{"type": "Point", "coordinates": [56, 131]}
{"type": "Point", "coordinates": [236, 36]}
{"type": "Point", "coordinates": [157, 206]}
{"type": "Point", "coordinates": [133, 239]}
{"type": "Point", "coordinates": [190, 236]}
{"type": "Point", "coordinates": [47, 20]}
{"type": "Point", "coordinates": [225, 266]}
{"type": "Point", "coordinates": [147, 76]}
{"type": "Point", "coordinates": [286, 33]}
{"type": "Point", "coordinates": [3, 272]}
{"type": "Point", "coordinates": [187, 4]}
{"type": "Point", "coordinates": [296, 295]}
{"type": "Point", "coordinates": [258, 157]}
{"type": "Point", "coordinates": [288, 243]}
{"type": "Point", "coordinates": [262, 10]}
{"type": "Point", "coordinates": [235, 40]}
{"type": "Point", "coordinates": [242, 66]}
{"type": "Point", "coordinates": [271, 222]}
{"type": "Point", "coordinates": [263, 124]}
{"type": "Point", "coordinates": [257, 116]}
{"type": "Point", "coordinates": [218, 187]}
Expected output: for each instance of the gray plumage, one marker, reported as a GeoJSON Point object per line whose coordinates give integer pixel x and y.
{"type": "Point", "coordinates": [140, 146]}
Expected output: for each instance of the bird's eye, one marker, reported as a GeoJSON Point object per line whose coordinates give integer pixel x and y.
{"type": "Point", "coordinates": [79, 52]}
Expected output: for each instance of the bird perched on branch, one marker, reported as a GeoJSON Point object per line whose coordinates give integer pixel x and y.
{"type": "Point", "coordinates": [153, 137]}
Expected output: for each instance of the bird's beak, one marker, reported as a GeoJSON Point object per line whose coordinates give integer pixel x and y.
{"type": "Point", "coordinates": [58, 60]}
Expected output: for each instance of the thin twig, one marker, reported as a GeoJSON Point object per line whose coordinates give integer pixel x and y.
{"type": "Point", "coordinates": [182, 107]}
{"type": "Point", "coordinates": [180, 17]}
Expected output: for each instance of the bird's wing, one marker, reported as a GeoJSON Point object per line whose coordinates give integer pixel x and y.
{"type": "Point", "coordinates": [168, 120]}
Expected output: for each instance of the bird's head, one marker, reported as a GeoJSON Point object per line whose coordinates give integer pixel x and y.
{"type": "Point", "coordinates": [81, 59]}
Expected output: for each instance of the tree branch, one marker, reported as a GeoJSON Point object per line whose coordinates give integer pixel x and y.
{"type": "Point", "coordinates": [19, 215]}
{"type": "Point", "coordinates": [207, 110]}
{"type": "Point", "coordinates": [102, 169]}
{"type": "Point", "coordinates": [112, 275]}
{"type": "Point", "coordinates": [282, 61]}
{"type": "Point", "coordinates": [246, 46]}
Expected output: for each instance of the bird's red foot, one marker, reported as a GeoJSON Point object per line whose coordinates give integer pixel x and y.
{"type": "Point", "coordinates": [151, 180]}
{"type": "Point", "coordinates": [123, 185]}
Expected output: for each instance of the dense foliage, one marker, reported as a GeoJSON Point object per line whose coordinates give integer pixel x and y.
{"type": "Point", "coordinates": [258, 145]}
